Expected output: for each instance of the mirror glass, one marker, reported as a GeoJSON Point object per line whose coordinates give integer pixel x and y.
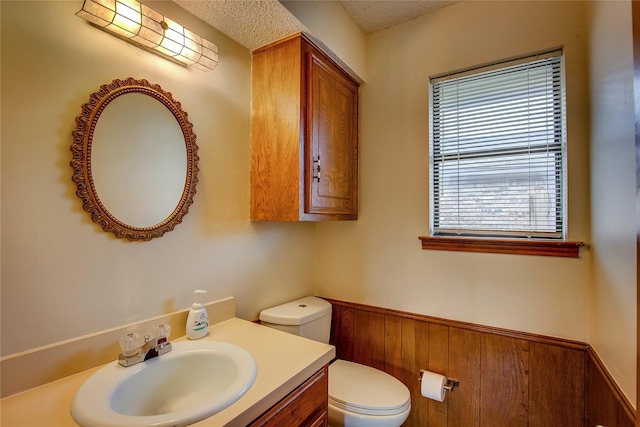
{"type": "Point", "coordinates": [134, 159]}
{"type": "Point", "coordinates": [139, 160]}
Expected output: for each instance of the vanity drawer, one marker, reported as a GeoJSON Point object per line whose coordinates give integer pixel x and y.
{"type": "Point", "coordinates": [306, 406]}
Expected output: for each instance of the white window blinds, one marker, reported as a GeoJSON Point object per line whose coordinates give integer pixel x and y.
{"type": "Point", "coordinates": [498, 150]}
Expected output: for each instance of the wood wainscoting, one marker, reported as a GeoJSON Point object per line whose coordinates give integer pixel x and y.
{"type": "Point", "coordinates": [507, 378]}
{"type": "Point", "coordinates": [606, 404]}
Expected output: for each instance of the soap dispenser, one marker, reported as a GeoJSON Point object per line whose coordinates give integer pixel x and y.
{"type": "Point", "coordinates": [198, 319]}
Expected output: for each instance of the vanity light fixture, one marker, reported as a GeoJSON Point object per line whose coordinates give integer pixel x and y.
{"type": "Point", "coordinates": [140, 25]}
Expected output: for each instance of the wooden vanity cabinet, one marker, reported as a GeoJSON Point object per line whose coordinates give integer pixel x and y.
{"type": "Point", "coordinates": [304, 135]}
{"type": "Point", "coordinates": [306, 406]}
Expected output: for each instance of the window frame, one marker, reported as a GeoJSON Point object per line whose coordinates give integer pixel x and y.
{"type": "Point", "coordinates": [521, 243]}
{"type": "Point", "coordinates": [540, 247]}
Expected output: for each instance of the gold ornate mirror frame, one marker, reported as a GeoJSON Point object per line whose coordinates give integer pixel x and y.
{"type": "Point", "coordinates": [81, 161]}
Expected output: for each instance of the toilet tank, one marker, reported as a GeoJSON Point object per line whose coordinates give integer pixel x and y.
{"type": "Point", "coordinates": [308, 317]}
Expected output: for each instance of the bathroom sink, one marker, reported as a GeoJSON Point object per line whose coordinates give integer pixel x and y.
{"type": "Point", "coordinates": [195, 380]}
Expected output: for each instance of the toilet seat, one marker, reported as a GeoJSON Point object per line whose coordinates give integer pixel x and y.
{"type": "Point", "coordinates": [364, 390]}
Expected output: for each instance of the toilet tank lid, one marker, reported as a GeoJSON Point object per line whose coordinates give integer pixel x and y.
{"type": "Point", "coordinates": [298, 312]}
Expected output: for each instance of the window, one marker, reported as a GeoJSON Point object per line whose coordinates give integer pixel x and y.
{"type": "Point", "coordinates": [497, 150]}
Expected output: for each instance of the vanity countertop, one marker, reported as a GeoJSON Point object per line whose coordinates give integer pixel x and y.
{"type": "Point", "coordinates": [284, 362]}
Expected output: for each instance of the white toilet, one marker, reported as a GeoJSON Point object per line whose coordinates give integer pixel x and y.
{"type": "Point", "coordinates": [359, 396]}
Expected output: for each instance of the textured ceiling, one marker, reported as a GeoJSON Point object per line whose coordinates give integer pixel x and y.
{"type": "Point", "coordinates": [252, 23]}
{"type": "Point", "coordinates": [255, 23]}
{"type": "Point", "coordinates": [374, 15]}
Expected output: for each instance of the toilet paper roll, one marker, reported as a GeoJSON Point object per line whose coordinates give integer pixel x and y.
{"type": "Point", "coordinates": [432, 386]}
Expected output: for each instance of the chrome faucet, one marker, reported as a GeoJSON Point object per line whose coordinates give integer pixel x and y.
{"type": "Point", "coordinates": [136, 349]}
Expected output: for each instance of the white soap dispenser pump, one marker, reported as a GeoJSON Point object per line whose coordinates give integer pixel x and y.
{"type": "Point", "coordinates": [198, 319]}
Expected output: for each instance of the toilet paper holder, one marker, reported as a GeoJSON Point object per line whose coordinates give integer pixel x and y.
{"type": "Point", "coordinates": [449, 385]}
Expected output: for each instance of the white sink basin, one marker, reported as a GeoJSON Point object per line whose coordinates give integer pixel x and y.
{"type": "Point", "coordinates": [191, 382]}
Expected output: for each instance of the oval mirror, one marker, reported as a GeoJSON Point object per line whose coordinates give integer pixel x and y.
{"type": "Point", "coordinates": [134, 159]}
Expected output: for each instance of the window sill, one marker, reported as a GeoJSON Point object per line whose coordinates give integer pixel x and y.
{"type": "Point", "coordinates": [556, 248]}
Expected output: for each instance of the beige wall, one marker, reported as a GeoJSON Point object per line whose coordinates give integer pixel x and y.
{"type": "Point", "coordinates": [62, 276]}
{"type": "Point", "coordinates": [613, 324]}
{"type": "Point", "coordinates": [378, 260]}
{"type": "Point", "coordinates": [330, 22]}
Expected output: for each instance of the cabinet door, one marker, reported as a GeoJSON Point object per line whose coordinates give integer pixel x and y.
{"type": "Point", "coordinates": [331, 163]}
{"type": "Point", "coordinates": [306, 406]}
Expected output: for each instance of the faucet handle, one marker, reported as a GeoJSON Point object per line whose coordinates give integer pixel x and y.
{"type": "Point", "coordinates": [130, 343]}
{"type": "Point", "coordinates": [162, 333]}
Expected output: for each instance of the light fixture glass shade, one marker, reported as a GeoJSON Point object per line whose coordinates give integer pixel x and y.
{"type": "Point", "coordinates": [143, 26]}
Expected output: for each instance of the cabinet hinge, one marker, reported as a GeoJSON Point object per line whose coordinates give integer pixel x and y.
{"type": "Point", "coordinates": [316, 168]}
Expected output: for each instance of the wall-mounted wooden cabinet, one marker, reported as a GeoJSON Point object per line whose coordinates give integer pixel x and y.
{"type": "Point", "coordinates": [304, 135]}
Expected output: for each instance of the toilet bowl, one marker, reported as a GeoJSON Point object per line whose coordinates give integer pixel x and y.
{"type": "Point", "coordinates": [363, 396]}
{"type": "Point", "coordinates": [359, 395]}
